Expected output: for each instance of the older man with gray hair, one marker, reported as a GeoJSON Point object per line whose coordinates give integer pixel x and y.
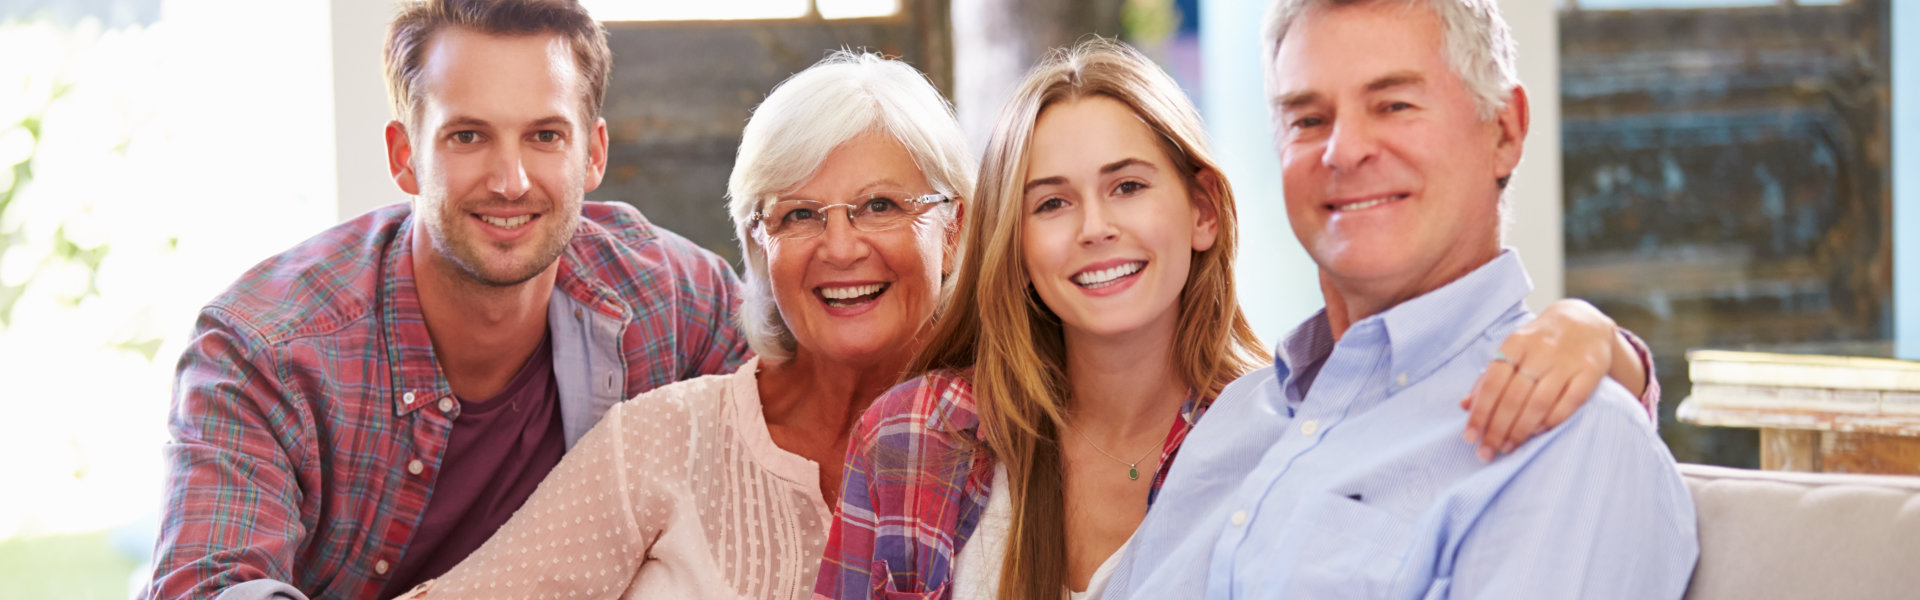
{"type": "Point", "coordinates": [1340, 472]}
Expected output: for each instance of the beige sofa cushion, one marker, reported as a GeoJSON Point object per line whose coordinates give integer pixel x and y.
{"type": "Point", "coordinates": [1772, 534]}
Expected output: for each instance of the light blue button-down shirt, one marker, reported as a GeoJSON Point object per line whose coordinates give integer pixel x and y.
{"type": "Point", "coordinates": [1340, 472]}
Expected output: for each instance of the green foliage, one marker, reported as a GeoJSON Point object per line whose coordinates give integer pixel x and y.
{"type": "Point", "coordinates": [65, 566]}
{"type": "Point", "coordinates": [1149, 22]}
{"type": "Point", "coordinates": [63, 249]}
{"type": "Point", "coordinates": [22, 176]}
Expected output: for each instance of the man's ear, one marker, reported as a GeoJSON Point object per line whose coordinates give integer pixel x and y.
{"type": "Point", "coordinates": [950, 249]}
{"type": "Point", "coordinates": [400, 158]}
{"type": "Point", "coordinates": [1513, 122]}
{"type": "Point", "coordinates": [1207, 190]}
{"type": "Point", "coordinates": [596, 153]}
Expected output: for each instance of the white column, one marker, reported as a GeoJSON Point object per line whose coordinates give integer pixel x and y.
{"type": "Point", "coordinates": [1279, 284]}
{"type": "Point", "coordinates": [360, 106]}
{"type": "Point", "coordinates": [1906, 180]}
{"type": "Point", "coordinates": [1536, 189]}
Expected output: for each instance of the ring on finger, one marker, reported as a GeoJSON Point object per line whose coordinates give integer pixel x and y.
{"type": "Point", "coordinates": [1501, 357]}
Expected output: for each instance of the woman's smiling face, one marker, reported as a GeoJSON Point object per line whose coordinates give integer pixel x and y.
{"type": "Point", "coordinates": [1110, 224]}
{"type": "Point", "coordinates": [851, 296]}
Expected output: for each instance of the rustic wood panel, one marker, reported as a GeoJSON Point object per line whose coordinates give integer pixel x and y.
{"type": "Point", "coordinates": [1726, 181]}
{"type": "Point", "coordinates": [1842, 452]}
{"type": "Point", "coordinates": [681, 92]}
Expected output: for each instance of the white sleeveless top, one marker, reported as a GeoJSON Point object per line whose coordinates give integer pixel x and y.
{"type": "Point", "coordinates": [976, 571]}
{"type": "Point", "coordinates": [677, 493]}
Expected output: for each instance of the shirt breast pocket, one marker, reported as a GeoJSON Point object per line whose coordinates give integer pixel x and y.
{"type": "Point", "coordinates": [1343, 548]}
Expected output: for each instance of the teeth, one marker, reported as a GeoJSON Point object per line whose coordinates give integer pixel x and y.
{"type": "Point", "coordinates": [843, 293]}
{"type": "Point", "coordinates": [1101, 278]}
{"type": "Point", "coordinates": [1368, 204]}
{"type": "Point", "coordinates": [508, 223]}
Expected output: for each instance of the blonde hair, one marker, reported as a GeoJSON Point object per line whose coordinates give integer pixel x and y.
{"type": "Point", "coordinates": [802, 121]}
{"type": "Point", "coordinates": [996, 324]}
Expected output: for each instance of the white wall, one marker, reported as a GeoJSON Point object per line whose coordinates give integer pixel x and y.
{"type": "Point", "coordinates": [1536, 188]}
{"type": "Point", "coordinates": [1279, 283]}
{"type": "Point", "coordinates": [360, 106]}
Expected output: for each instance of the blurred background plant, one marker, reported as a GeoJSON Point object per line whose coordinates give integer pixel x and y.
{"type": "Point", "coordinates": [78, 265]}
{"type": "Point", "coordinates": [1150, 22]}
{"type": "Point", "coordinates": [124, 206]}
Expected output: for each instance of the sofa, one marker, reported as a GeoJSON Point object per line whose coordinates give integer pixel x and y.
{"type": "Point", "coordinates": [1775, 534]}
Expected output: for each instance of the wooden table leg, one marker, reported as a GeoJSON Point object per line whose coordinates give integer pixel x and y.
{"type": "Point", "coordinates": [1790, 450]}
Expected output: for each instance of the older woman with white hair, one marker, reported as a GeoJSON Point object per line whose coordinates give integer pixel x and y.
{"type": "Point", "coordinates": [723, 486]}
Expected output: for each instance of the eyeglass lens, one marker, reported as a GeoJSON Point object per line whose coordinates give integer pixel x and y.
{"type": "Point", "coordinates": [869, 212]}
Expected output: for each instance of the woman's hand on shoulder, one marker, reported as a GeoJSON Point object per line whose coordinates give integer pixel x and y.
{"type": "Point", "coordinates": [1545, 371]}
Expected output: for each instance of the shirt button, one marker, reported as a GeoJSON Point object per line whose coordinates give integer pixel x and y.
{"type": "Point", "coordinates": [380, 567]}
{"type": "Point", "coordinates": [1309, 427]}
{"type": "Point", "coordinates": [446, 405]}
{"type": "Point", "coordinates": [407, 397]}
{"type": "Point", "coordinates": [415, 467]}
{"type": "Point", "coordinates": [1402, 380]}
{"type": "Point", "coordinates": [1239, 518]}
{"type": "Point", "coordinates": [576, 314]}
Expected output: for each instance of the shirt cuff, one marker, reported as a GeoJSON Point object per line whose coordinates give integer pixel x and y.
{"type": "Point", "coordinates": [1650, 398]}
{"type": "Point", "coordinates": [262, 589]}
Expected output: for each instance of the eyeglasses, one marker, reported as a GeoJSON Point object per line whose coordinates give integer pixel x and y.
{"type": "Point", "coordinates": [877, 211]}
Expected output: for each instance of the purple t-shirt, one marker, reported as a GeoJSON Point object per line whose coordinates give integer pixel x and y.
{"type": "Point", "coordinates": [498, 452]}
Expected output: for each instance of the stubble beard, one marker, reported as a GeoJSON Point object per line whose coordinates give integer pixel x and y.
{"type": "Point", "coordinates": [458, 247]}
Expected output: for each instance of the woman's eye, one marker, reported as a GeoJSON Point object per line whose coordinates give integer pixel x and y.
{"type": "Point", "coordinates": [1129, 187]}
{"type": "Point", "coordinates": [880, 205]}
{"type": "Point", "coordinates": [1050, 204]}
{"type": "Point", "coordinates": [798, 215]}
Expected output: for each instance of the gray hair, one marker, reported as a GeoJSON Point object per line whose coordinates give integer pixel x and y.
{"type": "Point", "coordinates": [1479, 44]}
{"type": "Point", "coordinates": [802, 121]}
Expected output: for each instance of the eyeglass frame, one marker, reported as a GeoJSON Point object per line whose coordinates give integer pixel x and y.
{"type": "Point", "coordinates": [758, 219]}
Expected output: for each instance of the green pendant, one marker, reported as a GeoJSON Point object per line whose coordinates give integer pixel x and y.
{"type": "Point", "coordinates": [1133, 472]}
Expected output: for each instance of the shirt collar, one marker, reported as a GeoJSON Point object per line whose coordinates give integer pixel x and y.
{"type": "Point", "coordinates": [417, 380]}
{"type": "Point", "coordinates": [1427, 331]}
{"type": "Point", "coordinates": [1311, 341]}
{"type": "Point", "coordinates": [953, 410]}
{"type": "Point", "coordinates": [1424, 332]}
{"type": "Point", "coordinates": [577, 280]}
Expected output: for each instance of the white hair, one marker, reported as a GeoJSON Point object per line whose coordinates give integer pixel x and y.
{"type": "Point", "coordinates": [802, 121]}
{"type": "Point", "coordinates": [1479, 45]}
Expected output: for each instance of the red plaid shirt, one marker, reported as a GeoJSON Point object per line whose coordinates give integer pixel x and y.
{"type": "Point", "coordinates": [916, 483]}
{"type": "Point", "coordinates": [309, 413]}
